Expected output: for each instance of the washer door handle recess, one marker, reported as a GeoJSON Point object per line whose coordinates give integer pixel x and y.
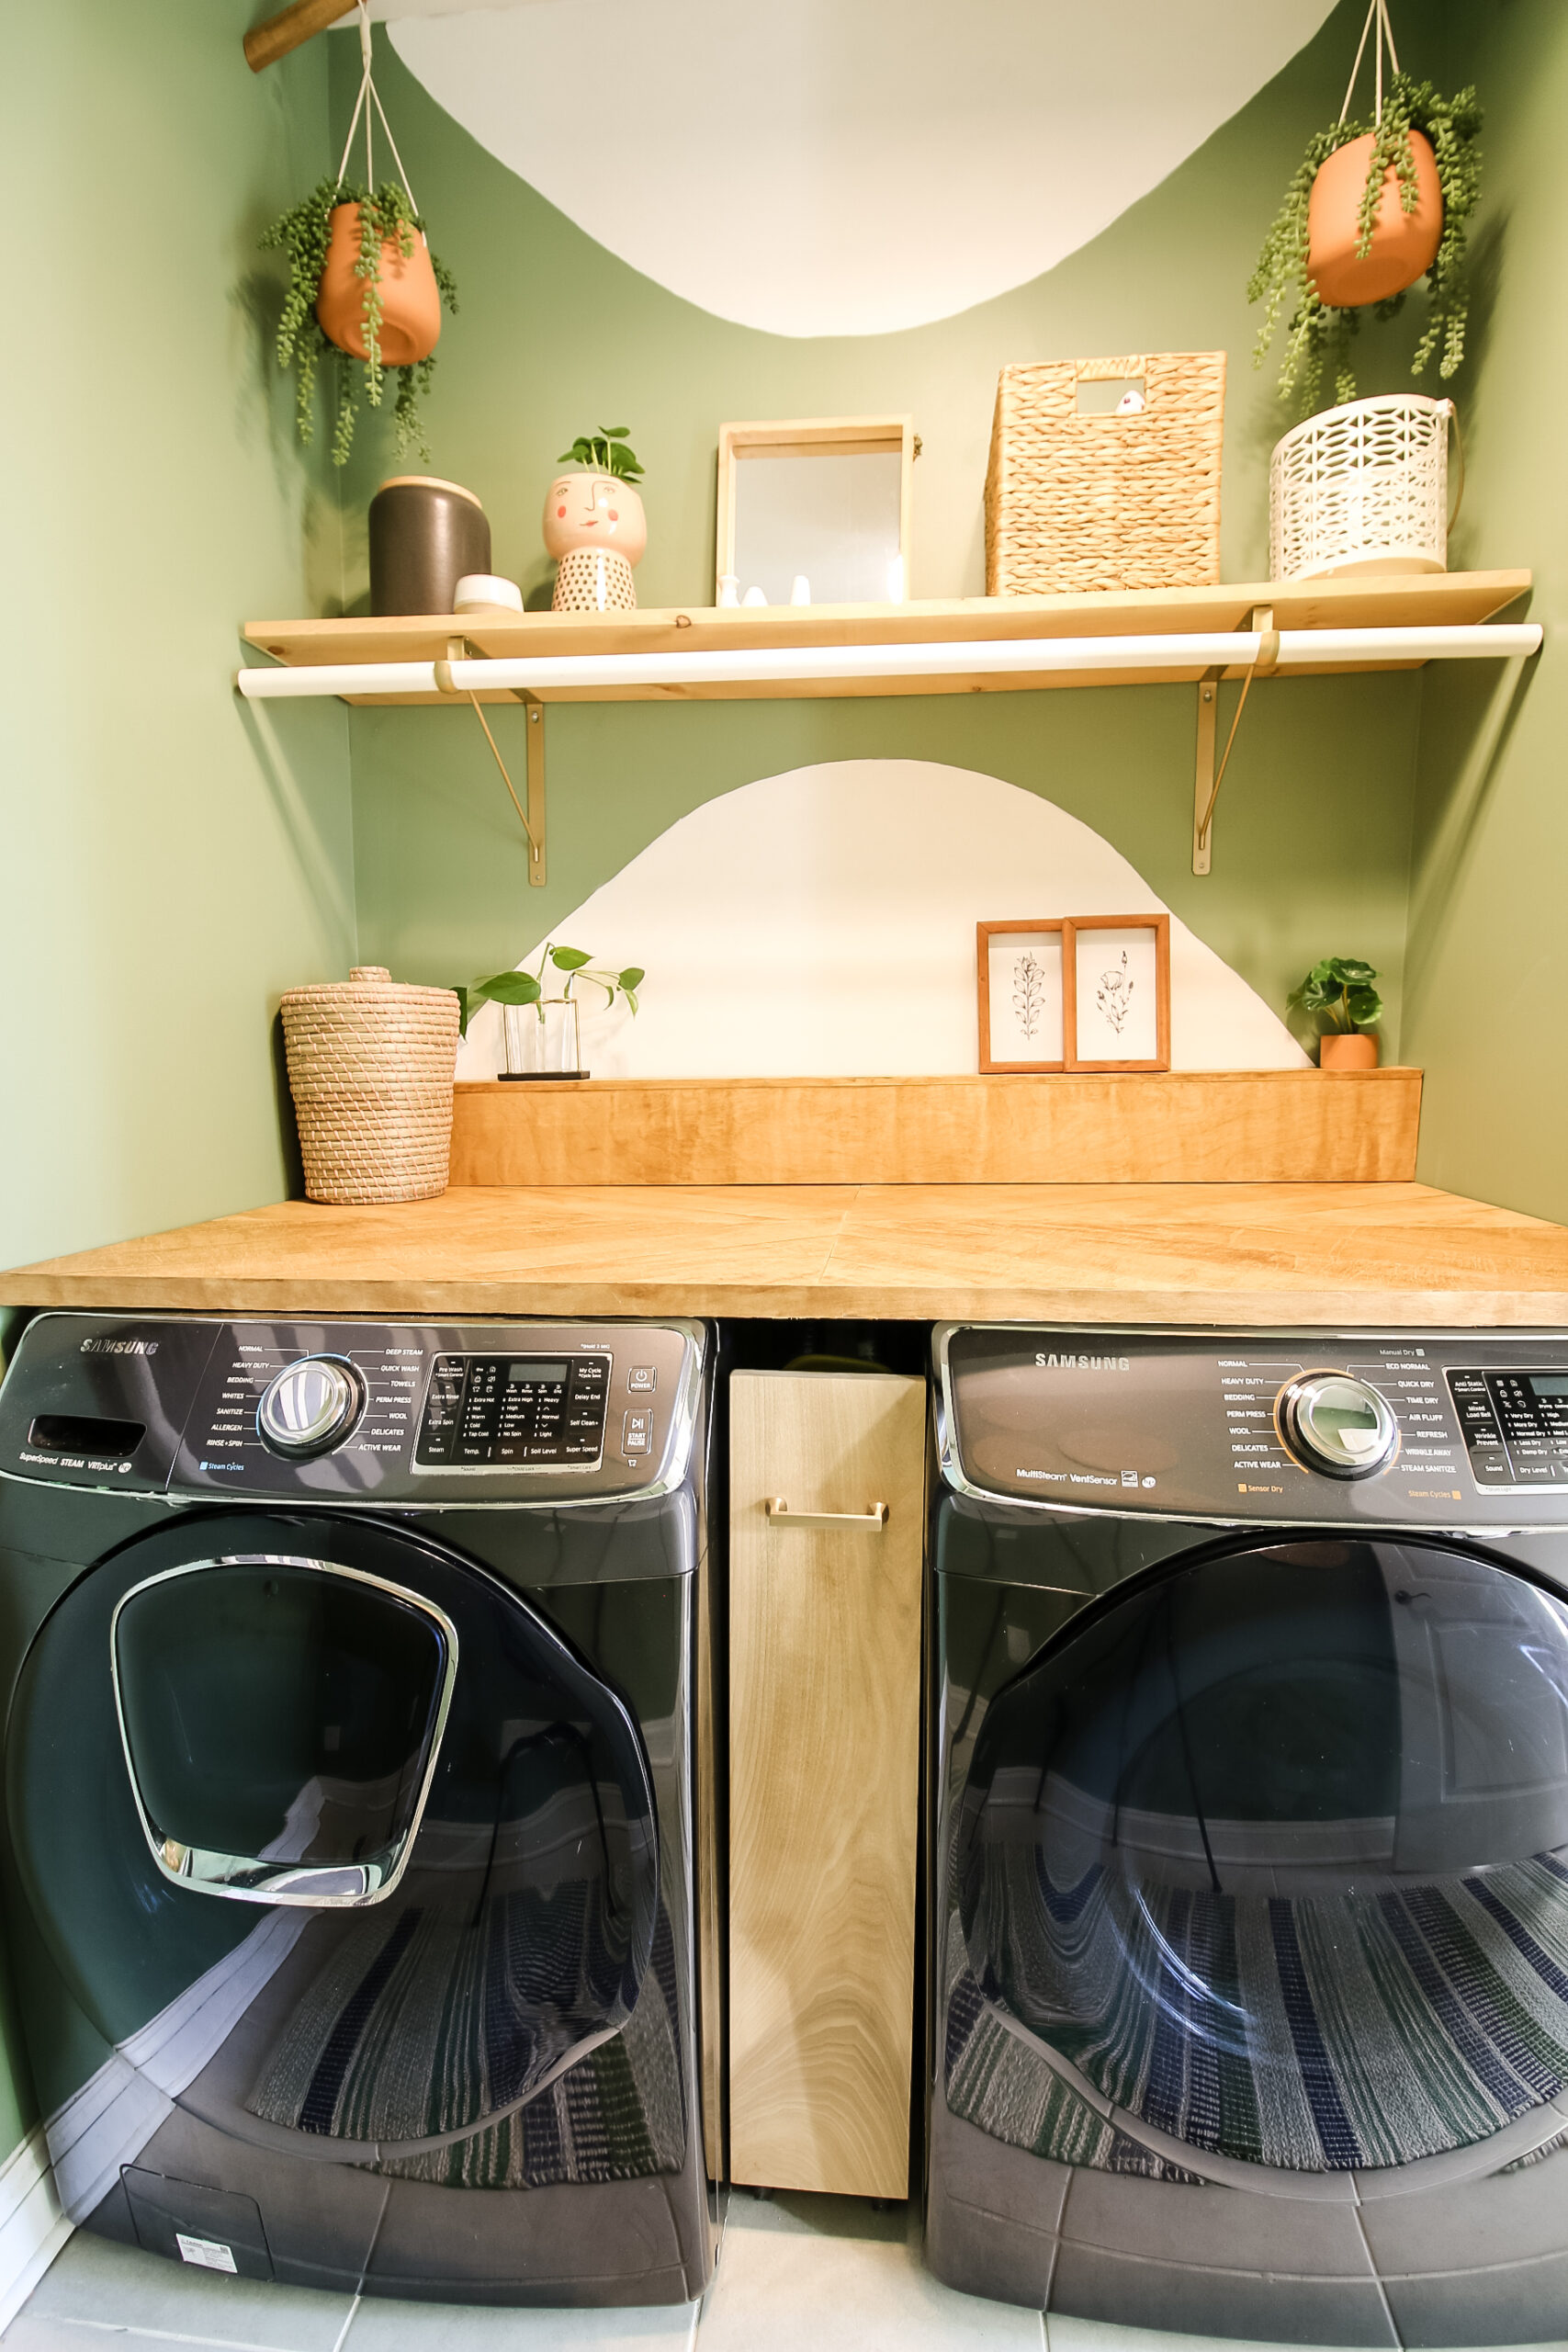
{"type": "Point", "coordinates": [309, 1407]}
{"type": "Point", "coordinates": [1333, 1423]}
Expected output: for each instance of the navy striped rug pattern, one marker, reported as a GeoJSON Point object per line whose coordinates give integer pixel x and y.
{"type": "Point", "coordinates": [419, 2025]}
{"type": "Point", "coordinates": [1317, 2032]}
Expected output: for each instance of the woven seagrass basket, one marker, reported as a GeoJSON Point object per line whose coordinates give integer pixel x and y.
{"type": "Point", "coordinates": [1107, 500]}
{"type": "Point", "coordinates": [371, 1068]}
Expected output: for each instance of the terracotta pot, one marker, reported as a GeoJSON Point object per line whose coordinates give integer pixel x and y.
{"type": "Point", "coordinates": [1347, 1049]}
{"type": "Point", "coordinates": [411, 300]}
{"type": "Point", "coordinates": [1405, 244]}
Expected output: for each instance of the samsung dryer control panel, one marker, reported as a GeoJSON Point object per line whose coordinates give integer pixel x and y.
{"type": "Point", "coordinates": [1463, 1428]}
{"type": "Point", "coordinates": [352, 1412]}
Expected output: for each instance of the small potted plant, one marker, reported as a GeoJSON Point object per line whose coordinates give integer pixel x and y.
{"type": "Point", "coordinates": [595, 523]}
{"type": "Point", "coordinates": [541, 1031]}
{"type": "Point", "coordinates": [1339, 996]}
{"type": "Point", "coordinates": [362, 281]}
{"type": "Point", "coordinates": [1373, 207]}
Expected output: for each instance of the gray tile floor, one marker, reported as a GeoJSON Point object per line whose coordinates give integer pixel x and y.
{"type": "Point", "coordinates": [826, 2273]}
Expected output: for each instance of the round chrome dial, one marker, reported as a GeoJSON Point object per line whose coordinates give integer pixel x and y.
{"type": "Point", "coordinates": [1343, 1427]}
{"type": "Point", "coordinates": [309, 1407]}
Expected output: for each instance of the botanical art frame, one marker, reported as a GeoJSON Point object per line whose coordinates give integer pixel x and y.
{"type": "Point", "coordinates": [1075, 992]}
{"type": "Point", "coordinates": [1024, 987]}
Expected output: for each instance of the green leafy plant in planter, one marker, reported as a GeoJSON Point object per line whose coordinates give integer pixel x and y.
{"type": "Point", "coordinates": [1318, 334]}
{"type": "Point", "coordinates": [604, 452]}
{"type": "Point", "coordinates": [529, 988]}
{"type": "Point", "coordinates": [1338, 998]}
{"type": "Point", "coordinates": [305, 232]}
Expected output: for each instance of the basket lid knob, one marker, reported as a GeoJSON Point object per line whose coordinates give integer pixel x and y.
{"type": "Point", "coordinates": [370, 972]}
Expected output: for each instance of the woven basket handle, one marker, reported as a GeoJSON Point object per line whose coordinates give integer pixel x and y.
{"type": "Point", "coordinates": [1110, 371]}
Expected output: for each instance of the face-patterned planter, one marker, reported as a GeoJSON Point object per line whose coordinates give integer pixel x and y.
{"type": "Point", "coordinates": [595, 528]}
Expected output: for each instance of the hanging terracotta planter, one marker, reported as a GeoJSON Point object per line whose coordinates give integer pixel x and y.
{"type": "Point", "coordinates": [1403, 245]}
{"type": "Point", "coordinates": [380, 308]}
{"type": "Point", "coordinates": [1374, 206]}
{"type": "Point", "coordinates": [411, 299]}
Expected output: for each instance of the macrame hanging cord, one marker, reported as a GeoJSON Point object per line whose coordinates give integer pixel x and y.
{"type": "Point", "coordinates": [1378, 17]}
{"type": "Point", "coordinates": [370, 96]}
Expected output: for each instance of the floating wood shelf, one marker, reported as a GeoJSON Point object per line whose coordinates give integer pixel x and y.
{"type": "Point", "coordinates": [1443, 600]}
{"type": "Point", "coordinates": [1182, 1127]}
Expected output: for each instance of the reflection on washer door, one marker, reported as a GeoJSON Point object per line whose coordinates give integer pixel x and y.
{"type": "Point", "coordinates": [1274, 1855]}
{"type": "Point", "coordinates": [278, 1719]}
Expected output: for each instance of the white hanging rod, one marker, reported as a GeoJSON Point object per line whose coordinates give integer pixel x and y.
{"type": "Point", "coordinates": [1186, 656]}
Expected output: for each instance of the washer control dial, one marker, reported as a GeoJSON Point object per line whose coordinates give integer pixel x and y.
{"type": "Point", "coordinates": [1332, 1422]}
{"type": "Point", "coordinates": [309, 1407]}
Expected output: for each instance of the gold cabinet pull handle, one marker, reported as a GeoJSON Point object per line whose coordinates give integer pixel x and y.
{"type": "Point", "coordinates": [873, 1520]}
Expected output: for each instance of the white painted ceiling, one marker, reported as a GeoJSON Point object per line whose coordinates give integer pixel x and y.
{"type": "Point", "coordinates": [817, 168]}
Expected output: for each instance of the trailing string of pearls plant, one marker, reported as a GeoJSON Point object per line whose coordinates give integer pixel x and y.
{"type": "Point", "coordinates": [363, 284]}
{"type": "Point", "coordinates": [1415, 135]}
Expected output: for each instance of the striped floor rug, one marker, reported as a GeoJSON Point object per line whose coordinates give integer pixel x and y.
{"type": "Point", "coordinates": [419, 2024]}
{"type": "Point", "coordinates": [1320, 2034]}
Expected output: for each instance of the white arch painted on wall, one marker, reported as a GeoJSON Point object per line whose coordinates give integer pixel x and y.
{"type": "Point", "coordinates": [816, 167]}
{"type": "Point", "coordinates": [821, 923]}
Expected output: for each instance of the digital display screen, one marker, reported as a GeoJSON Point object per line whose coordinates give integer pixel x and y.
{"type": "Point", "coordinates": [1549, 1387]}
{"type": "Point", "coordinates": [518, 1372]}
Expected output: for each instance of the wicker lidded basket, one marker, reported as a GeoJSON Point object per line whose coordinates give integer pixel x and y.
{"type": "Point", "coordinates": [371, 1068]}
{"type": "Point", "coordinates": [1106, 501]}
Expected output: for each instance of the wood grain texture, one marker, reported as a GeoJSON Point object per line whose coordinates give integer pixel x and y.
{"type": "Point", "coordinates": [1176, 1126]}
{"type": "Point", "coordinates": [824, 1713]}
{"type": "Point", "coordinates": [1438, 598]}
{"type": "Point", "coordinates": [1238, 1254]}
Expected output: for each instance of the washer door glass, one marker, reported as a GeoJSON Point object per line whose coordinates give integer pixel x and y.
{"type": "Point", "coordinates": [355, 1854]}
{"type": "Point", "coordinates": [1272, 1855]}
{"type": "Point", "coordinates": [280, 1720]}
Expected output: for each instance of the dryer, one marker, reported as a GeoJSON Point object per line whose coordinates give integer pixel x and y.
{"type": "Point", "coordinates": [348, 1671]}
{"type": "Point", "coordinates": [1248, 1775]}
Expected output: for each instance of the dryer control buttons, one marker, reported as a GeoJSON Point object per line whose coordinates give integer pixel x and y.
{"type": "Point", "coordinates": [308, 1407]}
{"type": "Point", "coordinates": [1335, 1423]}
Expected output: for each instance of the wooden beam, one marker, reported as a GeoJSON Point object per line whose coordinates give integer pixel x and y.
{"type": "Point", "coordinates": [266, 43]}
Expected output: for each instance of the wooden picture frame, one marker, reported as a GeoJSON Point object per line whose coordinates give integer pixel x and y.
{"type": "Point", "coordinates": [1130, 999]}
{"type": "Point", "coordinates": [1003, 1023]}
{"type": "Point", "coordinates": [1101, 1011]}
{"type": "Point", "coordinates": [814, 436]}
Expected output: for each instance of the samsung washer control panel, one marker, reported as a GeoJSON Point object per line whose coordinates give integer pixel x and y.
{"type": "Point", "coordinates": [1463, 1428]}
{"type": "Point", "coordinates": [352, 1412]}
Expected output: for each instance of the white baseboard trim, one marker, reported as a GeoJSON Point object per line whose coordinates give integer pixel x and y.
{"type": "Point", "coordinates": [32, 2226]}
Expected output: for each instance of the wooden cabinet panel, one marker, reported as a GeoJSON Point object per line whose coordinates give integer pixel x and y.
{"type": "Point", "coordinates": [824, 1732]}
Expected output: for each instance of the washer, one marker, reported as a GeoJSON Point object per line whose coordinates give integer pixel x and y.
{"type": "Point", "coordinates": [1248, 1771]}
{"type": "Point", "coordinates": [349, 1770]}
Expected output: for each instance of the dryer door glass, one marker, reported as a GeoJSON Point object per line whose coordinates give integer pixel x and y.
{"type": "Point", "coordinates": [280, 1720]}
{"type": "Point", "coordinates": [1272, 1856]}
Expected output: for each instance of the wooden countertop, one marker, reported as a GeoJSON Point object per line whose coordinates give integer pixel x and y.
{"type": "Point", "coordinates": [1242, 1254]}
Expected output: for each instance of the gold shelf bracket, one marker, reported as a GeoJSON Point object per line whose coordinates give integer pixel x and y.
{"type": "Point", "coordinates": [531, 819]}
{"type": "Point", "coordinates": [1207, 778]}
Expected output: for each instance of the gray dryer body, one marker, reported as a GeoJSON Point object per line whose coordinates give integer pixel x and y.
{"type": "Point", "coordinates": [1248, 1773]}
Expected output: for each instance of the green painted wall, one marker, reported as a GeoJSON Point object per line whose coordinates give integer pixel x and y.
{"type": "Point", "coordinates": [1488, 948]}
{"type": "Point", "coordinates": [170, 862]}
{"type": "Point", "coordinates": [1311, 840]}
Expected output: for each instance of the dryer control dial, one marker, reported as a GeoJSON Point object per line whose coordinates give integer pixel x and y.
{"type": "Point", "coordinates": [309, 1407]}
{"type": "Point", "coordinates": [1332, 1422]}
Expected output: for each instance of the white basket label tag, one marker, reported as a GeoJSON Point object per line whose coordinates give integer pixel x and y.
{"type": "Point", "coordinates": [207, 2253]}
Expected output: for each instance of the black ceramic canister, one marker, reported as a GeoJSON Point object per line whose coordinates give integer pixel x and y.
{"type": "Point", "coordinates": [424, 534]}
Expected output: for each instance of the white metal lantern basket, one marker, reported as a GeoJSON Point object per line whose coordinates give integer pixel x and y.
{"type": "Point", "coordinates": [1362, 489]}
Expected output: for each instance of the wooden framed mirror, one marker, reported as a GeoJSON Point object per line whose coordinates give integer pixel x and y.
{"type": "Point", "coordinates": [823, 500]}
